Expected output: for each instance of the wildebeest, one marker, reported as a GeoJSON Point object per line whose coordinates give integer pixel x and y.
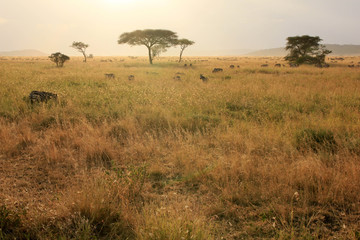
{"type": "Point", "coordinates": [264, 65]}
{"type": "Point", "coordinates": [203, 78]}
{"type": "Point", "coordinates": [324, 65]}
{"type": "Point", "coordinates": [277, 65]}
{"type": "Point", "coordinates": [232, 66]}
{"type": "Point", "coordinates": [351, 66]}
{"type": "Point", "coordinates": [131, 77]}
{"type": "Point", "coordinates": [215, 70]}
{"type": "Point", "coordinates": [177, 77]}
{"type": "Point", "coordinates": [293, 65]}
{"type": "Point", "coordinates": [39, 96]}
{"type": "Point", "coordinates": [109, 75]}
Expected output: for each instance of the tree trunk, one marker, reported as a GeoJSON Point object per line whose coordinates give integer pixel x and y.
{"type": "Point", "coordinates": [150, 58]}
{"type": "Point", "coordinates": [181, 52]}
{"type": "Point", "coordinates": [84, 56]}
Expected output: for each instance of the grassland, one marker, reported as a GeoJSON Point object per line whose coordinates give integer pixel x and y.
{"type": "Point", "coordinates": [253, 153]}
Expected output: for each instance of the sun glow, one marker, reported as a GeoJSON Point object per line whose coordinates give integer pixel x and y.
{"type": "Point", "coordinates": [119, 1]}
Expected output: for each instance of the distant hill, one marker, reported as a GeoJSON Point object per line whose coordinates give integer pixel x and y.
{"type": "Point", "coordinates": [343, 50]}
{"type": "Point", "coordinates": [23, 53]}
{"type": "Point", "coordinates": [276, 52]}
{"type": "Point", "coordinates": [337, 50]}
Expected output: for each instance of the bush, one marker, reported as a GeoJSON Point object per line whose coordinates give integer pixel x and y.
{"type": "Point", "coordinates": [11, 225]}
{"type": "Point", "coordinates": [316, 140]}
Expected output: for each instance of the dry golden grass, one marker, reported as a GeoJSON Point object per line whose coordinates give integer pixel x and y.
{"type": "Point", "coordinates": [253, 153]}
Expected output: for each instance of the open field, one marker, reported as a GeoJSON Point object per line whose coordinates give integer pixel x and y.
{"type": "Point", "coordinates": [255, 152]}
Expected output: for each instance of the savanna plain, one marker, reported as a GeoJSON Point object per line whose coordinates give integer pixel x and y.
{"type": "Point", "coordinates": [252, 153]}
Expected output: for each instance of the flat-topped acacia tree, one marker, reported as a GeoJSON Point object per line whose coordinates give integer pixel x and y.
{"type": "Point", "coordinates": [149, 38]}
{"type": "Point", "coordinates": [306, 49]}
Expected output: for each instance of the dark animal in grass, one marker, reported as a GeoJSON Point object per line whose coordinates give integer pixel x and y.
{"type": "Point", "coordinates": [177, 78]}
{"type": "Point", "coordinates": [232, 66]}
{"type": "Point", "coordinates": [203, 78]}
{"type": "Point", "coordinates": [277, 65]}
{"type": "Point", "coordinates": [110, 75]}
{"type": "Point", "coordinates": [131, 77]}
{"type": "Point", "coordinates": [38, 96]}
{"type": "Point", "coordinates": [215, 70]}
{"type": "Point", "coordinates": [319, 65]}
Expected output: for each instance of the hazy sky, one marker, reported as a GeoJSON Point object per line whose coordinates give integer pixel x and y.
{"type": "Point", "coordinates": [215, 25]}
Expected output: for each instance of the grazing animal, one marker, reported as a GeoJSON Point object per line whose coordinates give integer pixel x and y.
{"type": "Point", "coordinates": [351, 66]}
{"type": "Point", "coordinates": [232, 66]}
{"type": "Point", "coordinates": [215, 70]}
{"type": "Point", "coordinates": [185, 65]}
{"type": "Point", "coordinates": [203, 78]}
{"type": "Point", "coordinates": [319, 65]}
{"type": "Point", "coordinates": [238, 66]}
{"type": "Point", "coordinates": [264, 65]}
{"type": "Point", "coordinates": [190, 65]}
{"type": "Point", "coordinates": [38, 96]}
{"type": "Point", "coordinates": [110, 75]}
{"type": "Point", "coordinates": [177, 77]}
{"type": "Point", "coordinates": [277, 65]}
{"type": "Point", "coordinates": [131, 77]}
{"type": "Point", "coordinates": [293, 65]}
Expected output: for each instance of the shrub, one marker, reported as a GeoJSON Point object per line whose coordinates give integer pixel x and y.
{"type": "Point", "coordinates": [316, 140]}
{"type": "Point", "coordinates": [11, 225]}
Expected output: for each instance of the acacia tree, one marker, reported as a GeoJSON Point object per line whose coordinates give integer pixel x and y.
{"type": "Point", "coordinates": [81, 47]}
{"type": "Point", "coordinates": [306, 49]}
{"type": "Point", "coordinates": [157, 50]}
{"type": "Point", "coordinates": [59, 58]}
{"type": "Point", "coordinates": [149, 38]}
{"type": "Point", "coordinates": [184, 43]}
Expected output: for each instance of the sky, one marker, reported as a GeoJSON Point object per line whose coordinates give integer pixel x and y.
{"type": "Point", "coordinates": [216, 26]}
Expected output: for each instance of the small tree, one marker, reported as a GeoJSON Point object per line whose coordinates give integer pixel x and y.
{"type": "Point", "coordinates": [149, 38]}
{"type": "Point", "coordinates": [306, 49]}
{"type": "Point", "coordinates": [184, 43]}
{"type": "Point", "coordinates": [81, 47]}
{"type": "Point", "coordinates": [157, 50]}
{"type": "Point", "coordinates": [59, 58]}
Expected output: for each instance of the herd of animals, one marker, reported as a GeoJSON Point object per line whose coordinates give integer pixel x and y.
{"type": "Point", "coordinates": [41, 96]}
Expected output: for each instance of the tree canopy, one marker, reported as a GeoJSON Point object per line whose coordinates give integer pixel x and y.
{"type": "Point", "coordinates": [59, 58]}
{"type": "Point", "coordinates": [81, 47]}
{"type": "Point", "coordinates": [184, 43]}
{"type": "Point", "coordinates": [306, 49]}
{"type": "Point", "coordinates": [149, 38]}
